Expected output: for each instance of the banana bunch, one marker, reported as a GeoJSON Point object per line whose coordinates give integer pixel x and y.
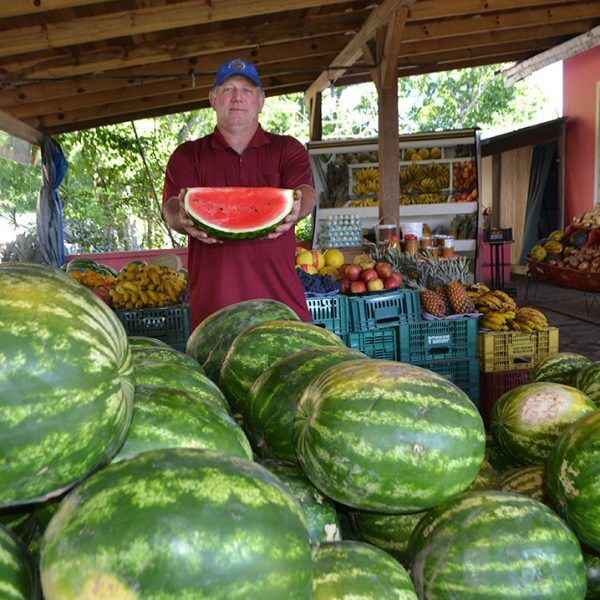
{"type": "Point", "coordinates": [495, 301]}
{"type": "Point", "coordinates": [427, 185]}
{"type": "Point", "coordinates": [528, 320]}
{"type": "Point", "coordinates": [139, 285]}
{"type": "Point", "coordinates": [362, 202]}
{"type": "Point", "coordinates": [366, 174]}
{"type": "Point", "coordinates": [411, 173]}
{"type": "Point", "coordinates": [497, 321]}
{"type": "Point", "coordinates": [474, 290]}
{"type": "Point", "coordinates": [439, 172]}
{"type": "Point", "coordinates": [370, 186]}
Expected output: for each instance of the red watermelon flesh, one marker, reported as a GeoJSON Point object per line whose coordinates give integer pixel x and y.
{"type": "Point", "coordinates": [230, 213]}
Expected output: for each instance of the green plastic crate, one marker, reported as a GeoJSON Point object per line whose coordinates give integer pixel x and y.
{"type": "Point", "coordinates": [463, 373]}
{"type": "Point", "coordinates": [379, 343]}
{"type": "Point", "coordinates": [383, 310]}
{"type": "Point", "coordinates": [330, 312]}
{"type": "Point", "coordinates": [170, 324]}
{"type": "Point", "coordinates": [438, 340]}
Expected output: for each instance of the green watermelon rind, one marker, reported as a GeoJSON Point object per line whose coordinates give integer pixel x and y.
{"type": "Point", "coordinates": [561, 367]}
{"type": "Point", "coordinates": [213, 230]}
{"type": "Point", "coordinates": [18, 572]}
{"type": "Point", "coordinates": [588, 381]}
{"type": "Point", "coordinates": [529, 481]}
{"type": "Point", "coordinates": [139, 354]}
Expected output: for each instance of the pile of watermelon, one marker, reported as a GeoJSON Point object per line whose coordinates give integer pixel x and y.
{"type": "Point", "coordinates": [271, 461]}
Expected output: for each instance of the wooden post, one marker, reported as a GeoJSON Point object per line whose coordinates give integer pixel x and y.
{"type": "Point", "coordinates": [315, 115]}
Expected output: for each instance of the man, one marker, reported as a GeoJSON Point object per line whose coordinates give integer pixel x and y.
{"type": "Point", "coordinates": [239, 153]}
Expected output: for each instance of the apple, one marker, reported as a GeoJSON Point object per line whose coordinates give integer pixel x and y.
{"type": "Point", "coordinates": [395, 275]}
{"type": "Point", "coordinates": [367, 264]}
{"type": "Point", "coordinates": [368, 274]}
{"type": "Point", "coordinates": [360, 258]}
{"type": "Point", "coordinates": [390, 283]}
{"type": "Point", "coordinates": [358, 287]}
{"type": "Point", "coordinates": [374, 285]}
{"type": "Point", "coordinates": [345, 286]}
{"type": "Point", "coordinates": [352, 272]}
{"type": "Point", "coordinates": [384, 269]}
{"type": "Point", "coordinates": [342, 270]}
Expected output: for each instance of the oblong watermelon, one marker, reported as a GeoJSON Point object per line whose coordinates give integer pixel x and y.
{"type": "Point", "coordinates": [168, 418]}
{"type": "Point", "coordinates": [497, 545]}
{"type": "Point", "coordinates": [147, 342]}
{"type": "Point", "coordinates": [487, 478]}
{"type": "Point", "coordinates": [527, 420]}
{"type": "Point", "coordinates": [259, 346]}
{"type": "Point", "coordinates": [273, 397]}
{"type": "Point", "coordinates": [237, 213]}
{"type": "Point", "coordinates": [321, 517]}
{"type": "Point", "coordinates": [561, 367]}
{"type": "Point", "coordinates": [178, 523]}
{"type": "Point", "coordinates": [588, 381]}
{"type": "Point", "coordinates": [22, 524]}
{"type": "Point", "coordinates": [212, 338]}
{"type": "Point", "coordinates": [169, 355]}
{"type": "Point", "coordinates": [592, 566]}
{"type": "Point", "coordinates": [387, 437]}
{"type": "Point", "coordinates": [358, 570]}
{"type": "Point", "coordinates": [179, 377]}
{"type": "Point", "coordinates": [573, 478]}
{"type": "Point", "coordinates": [529, 481]}
{"type": "Point", "coordinates": [18, 573]}
{"type": "Point", "coordinates": [66, 383]}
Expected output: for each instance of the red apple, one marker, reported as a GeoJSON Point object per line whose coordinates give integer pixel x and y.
{"type": "Point", "coordinates": [397, 277]}
{"type": "Point", "coordinates": [345, 286]}
{"type": "Point", "coordinates": [352, 272]}
{"type": "Point", "coordinates": [358, 287]}
{"type": "Point", "coordinates": [342, 270]}
{"type": "Point", "coordinates": [390, 283]}
{"type": "Point", "coordinates": [375, 285]}
{"type": "Point", "coordinates": [384, 269]}
{"type": "Point", "coordinates": [368, 274]}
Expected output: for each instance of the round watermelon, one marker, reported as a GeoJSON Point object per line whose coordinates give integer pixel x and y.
{"type": "Point", "coordinates": [179, 377]}
{"type": "Point", "coordinates": [146, 342]}
{"type": "Point", "coordinates": [494, 455]}
{"type": "Point", "coordinates": [168, 418]}
{"type": "Point", "coordinates": [527, 420]}
{"type": "Point", "coordinates": [343, 570]}
{"type": "Point", "coordinates": [529, 481]}
{"type": "Point", "coordinates": [496, 545]}
{"type": "Point", "coordinates": [592, 566]}
{"type": "Point", "coordinates": [22, 523]}
{"type": "Point", "coordinates": [178, 523]}
{"type": "Point", "coordinates": [259, 346]}
{"type": "Point", "coordinates": [212, 338]}
{"type": "Point", "coordinates": [588, 381]}
{"type": "Point", "coordinates": [561, 367]}
{"type": "Point", "coordinates": [18, 573]}
{"type": "Point", "coordinates": [66, 383]}
{"type": "Point", "coordinates": [273, 397]}
{"type": "Point", "coordinates": [487, 478]}
{"type": "Point", "coordinates": [168, 355]}
{"type": "Point", "coordinates": [321, 517]}
{"type": "Point", "coordinates": [573, 478]}
{"type": "Point", "coordinates": [387, 437]}
{"type": "Point", "coordinates": [388, 532]}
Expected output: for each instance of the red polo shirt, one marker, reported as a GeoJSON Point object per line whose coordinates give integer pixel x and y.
{"type": "Point", "coordinates": [223, 274]}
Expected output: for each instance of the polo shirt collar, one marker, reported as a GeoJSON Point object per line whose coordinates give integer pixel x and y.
{"type": "Point", "coordinates": [259, 138]}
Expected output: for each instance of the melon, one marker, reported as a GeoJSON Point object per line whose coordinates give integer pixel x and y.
{"type": "Point", "coordinates": [236, 213]}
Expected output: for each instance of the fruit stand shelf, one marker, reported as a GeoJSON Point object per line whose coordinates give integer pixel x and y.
{"type": "Point", "coordinates": [408, 210]}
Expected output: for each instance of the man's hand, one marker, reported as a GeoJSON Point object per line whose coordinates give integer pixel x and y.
{"type": "Point", "coordinates": [175, 217]}
{"type": "Point", "coordinates": [290, 220]}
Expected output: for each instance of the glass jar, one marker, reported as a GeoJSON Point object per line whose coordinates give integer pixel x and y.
{"type": "Point", "coordinates": [411, 245]}
{"type": "Point", "coordinates": [426, 241]}
{"type": "Point", "coordinates": [448, 247]}
{"type": "Point", "coordinates": [435, 250]}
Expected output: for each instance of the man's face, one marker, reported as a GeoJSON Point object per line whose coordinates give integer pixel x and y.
{"type": "Point", "coordinates": [237, 102]}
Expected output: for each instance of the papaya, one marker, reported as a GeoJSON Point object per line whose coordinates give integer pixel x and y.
{"type": "Point", "coordinates": [552, 247]}
{"type": "Point", "coordinates": [538, 253]}
{"type": "Point", "coordinates": [557, 236]}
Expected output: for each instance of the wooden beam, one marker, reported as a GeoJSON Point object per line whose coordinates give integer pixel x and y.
{"type": "Point", "coordinates": [142, 20]}
{"type": "Point", "coordinates": [348, 56]}
{"type": "Point", "coordinates": [316, 117]}
{"type": "Point", "coordinates": [389, 153]}
{"type": "Point", "coordinates": [391, 47]}
{"type": "Point", "coordinates": [369, 56]}
{"type": "Point", "coordinates": [19, 129]}
{"type": "Point", "coordinates": [15, 8]}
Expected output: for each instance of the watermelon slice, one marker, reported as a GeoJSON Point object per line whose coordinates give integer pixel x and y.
{"type": "Point", "coordinates": [236, 213]}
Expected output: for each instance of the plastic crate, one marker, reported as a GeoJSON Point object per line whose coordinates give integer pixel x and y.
{"type": "Point", "coordinates": [170, 324]}
{"type": "Point", "coordinates": [379, 343]}
{"type": "Point", "coordinates": [462, 373]}
{"type": "Point", "coordinates": [383, 310]}
{"type": "Point", "coordinates": [330, 312]}
{"type": "Point", "coordinates": [493, 385]}
{"type": "Point", "coordinates": [515, 350]}
{"type": "Point", "coordinates": [438, 340]}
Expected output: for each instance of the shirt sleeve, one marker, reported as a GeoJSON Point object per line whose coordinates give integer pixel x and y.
{"type": "Point", "coordinates": [295, 165]}
{"type": "Point", "coordinates": [181, 171]}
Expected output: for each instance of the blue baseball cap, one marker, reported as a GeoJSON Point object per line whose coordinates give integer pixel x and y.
{"type": "Point", "coordinates": [237, 66]}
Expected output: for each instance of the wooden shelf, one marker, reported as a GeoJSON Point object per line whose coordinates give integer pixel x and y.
{"type": "Point", "coordinates": [408, 211]}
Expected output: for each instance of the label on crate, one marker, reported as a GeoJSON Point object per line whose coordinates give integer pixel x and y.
{"type": "Point", "coordinates": [433, 340]}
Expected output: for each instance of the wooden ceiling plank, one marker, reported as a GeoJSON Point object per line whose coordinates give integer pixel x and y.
{"type": "Point", "coordinates": [391, 47]}
{"type": "Point", "coordinates": [20, 129]}
{"type": "Point", "coordinates": [17, 8]}
{"type": "Point", "coordinates": [378, 17]}
{"type": "Point", "coordinates": [142, 20]}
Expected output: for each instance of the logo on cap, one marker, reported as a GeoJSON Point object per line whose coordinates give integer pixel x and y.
{"type": "Point", "coordinates": [237, 64]}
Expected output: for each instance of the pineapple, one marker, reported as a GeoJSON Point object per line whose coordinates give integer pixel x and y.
{"type": "Point", "coordinates": [433, 302]}
{"type": "Point", "coordinates": [460, 302]}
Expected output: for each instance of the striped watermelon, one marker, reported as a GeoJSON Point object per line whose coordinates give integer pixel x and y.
{"type": "Point", "coordinates": [527, 420]}
{"type": "Point", "coordinates": [66, 386]}
{"type": "Point", "coordinates": [592, 567]}
{"type": "Point", "coordinates": [344, 570]}
{"type": "Point", "coordinates": [494, 455]}
{"type": "Point", "coordinates": [561, 367]}
{"type": "Point", "coordinates": [273, 397]}
{"type": "Point", "coordinates": [387, 437]}
{"type": "Point", "coordinates": [588, 381]}
{"type": "Point", "coordinates": [388, 532]}
{"type": "Point", "coordinates": [529, 481]}
{"type": "Point", "coordinates": [211, 340]}
{"type": "Point", "coordinates": [321, 517]}
{"type": "Point", "coordinates": [573, 478]}
{"type": "Point", "coordinates": [175, 524]}
{"type": "Point", "coordinates": [259, 346]}
{"type": "Point", "coordinates": [168, 418]}
{"type": "Point", "coordinates": [169, 355]}
{"type": "Point", "coordinates": [179, 377]}
{"type": "Point", "coordinates": [496, 545]}
{"type": "Point", "coordinates": [487, 478]}
{"type": "Point", "coordinates": [22, 524]}
{"type": "Point", "coordinates": [18, 573]}
{"type": "Point", "coordinates": [139, 341]}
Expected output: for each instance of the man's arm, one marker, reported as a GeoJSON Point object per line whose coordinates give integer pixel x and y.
{"type": "Point", "coordinates": [307, 200]}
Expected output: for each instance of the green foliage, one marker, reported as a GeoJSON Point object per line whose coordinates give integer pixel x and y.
{"type": "Point", "coordinates": [20, 186]}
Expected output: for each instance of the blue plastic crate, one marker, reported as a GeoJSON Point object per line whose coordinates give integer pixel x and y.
{"type": "Point", "coordinates": [383, 310]}
{"type": "Point", "coordinates": [330, 312]}
{"type": "Point", "coordinates": [379, 343]}
{"type": "Point", "coordinates": [463, 373]}
{"type": "Point", "coordinates": [438, 340]}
